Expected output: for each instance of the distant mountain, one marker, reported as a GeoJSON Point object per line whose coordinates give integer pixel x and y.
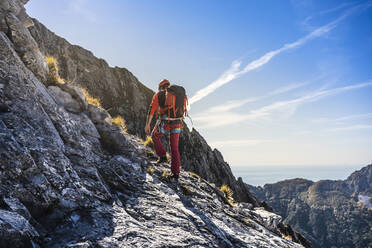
{"type": "Point", "coordinates": [328, 213]}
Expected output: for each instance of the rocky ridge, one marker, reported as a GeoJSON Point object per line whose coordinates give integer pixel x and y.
{"type": "Point", "coordinates": [121, 93]}
{"type": "Point", "coordinates": [328, 213]}
{"type": "Point", "coordinates": [70, 178]}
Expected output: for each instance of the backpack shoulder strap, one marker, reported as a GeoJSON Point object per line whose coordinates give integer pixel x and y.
{"type": "Point", "coordinates": [161, 98]}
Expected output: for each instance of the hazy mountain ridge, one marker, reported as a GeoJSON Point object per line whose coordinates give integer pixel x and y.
{"type": "Point", "coordinates": [71, 178]}
{"type": "Point", "coordinates": [329, 213]}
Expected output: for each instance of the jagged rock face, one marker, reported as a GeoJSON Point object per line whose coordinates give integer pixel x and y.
{"type": "Point", "coordinates": [286, 191]}
{"type": "Point", "coordinates": [360, 182]}
{"type": "Point", "coordinates": [14, 23]}
{"type": "Point", "coordinates": [328, 213]}
{"type": "Point", "coordinates": [117, 88]}
{"type": "Point", "coordinates": [70, 178]}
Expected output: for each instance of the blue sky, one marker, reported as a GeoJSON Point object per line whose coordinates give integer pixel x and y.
{"type": "Point", "coordinates": [270, 82]}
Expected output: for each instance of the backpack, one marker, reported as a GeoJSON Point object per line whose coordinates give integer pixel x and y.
{"type": "Point", "coordinates": [173, 102]}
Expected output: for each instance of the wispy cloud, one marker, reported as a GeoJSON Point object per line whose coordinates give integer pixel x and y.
{"type": "Point", "coordinates": [350, 128]}
{"type": "Point", "coordinates": [344, 118]}
{"type": "Point", "coordinates": [285, 108]}
{"type": "Point", "coordinates": [327, 11]}
{"type": "Point", "coordinates": [220, 115]}
{"type": "Point", "coordinates": [314, 96]}
{"type": "Point", "coordinates": [238, 103]}
{"type": "Point", "coordinates": [286, 89]}
{"type": "Point", "coordinates": [245, 142]}
{"type": "Point", "coordinates": [80, 7]}
{"type": "Point", "coordinates": [231, 105]}
{"type": "Point", "coordinates": [235, 71]}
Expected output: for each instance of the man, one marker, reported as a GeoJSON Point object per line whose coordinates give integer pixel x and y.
{"type": "Point", "coordinates": [170, 119]}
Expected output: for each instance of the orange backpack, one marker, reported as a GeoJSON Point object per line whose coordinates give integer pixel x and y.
{"type": "Point", "coordinates": [173, 102]}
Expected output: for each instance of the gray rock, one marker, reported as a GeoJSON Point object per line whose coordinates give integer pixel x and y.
{"type": "Point", "coordinates": [76, 94]}
{"type": "Point", "coordinates": [16, 206]}
{"type": "Point", "coordinates": [269, 219]}
{"type": "Point", "coordinates": [65, 99]}
{"type": "Point", "coordinates": [118, 89]}
{"type": "Point", "coordinates": [26, 46]}
{"type": "Point", "coordinates": [99, 115]}
{"type": "Point", "coordinates": [15, 231]}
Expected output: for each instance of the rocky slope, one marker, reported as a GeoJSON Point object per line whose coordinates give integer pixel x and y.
{"type": "Point", "coordinates": [121, 93]}
{"type": "Point", "coordinates": [328, 213]}
{"type": "Point", "coordinates": [71, 178]}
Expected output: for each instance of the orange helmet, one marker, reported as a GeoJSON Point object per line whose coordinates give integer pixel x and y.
{"type": "Point", "coordinates": [164, 83]}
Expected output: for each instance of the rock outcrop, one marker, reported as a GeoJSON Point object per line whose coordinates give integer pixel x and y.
{"type": "Point", "coordinates": [328, 213]}
{"type": "Point", "coordinates": [71, 178]}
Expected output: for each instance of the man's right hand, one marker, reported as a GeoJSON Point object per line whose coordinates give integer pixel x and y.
{"type": "Point", "coordinates": [147, 129]}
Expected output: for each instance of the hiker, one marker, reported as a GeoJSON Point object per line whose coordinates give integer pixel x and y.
{"type": "Point", "coordinates": [170, 103]}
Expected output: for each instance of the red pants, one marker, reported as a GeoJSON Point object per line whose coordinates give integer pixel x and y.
{"type": "Point", "coordinates": [174, 130]}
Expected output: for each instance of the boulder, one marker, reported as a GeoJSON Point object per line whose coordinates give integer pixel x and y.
{"type": "Point", "coordinates": [16, 231]}
{"type": "Point", "coordinates": [65, 99]}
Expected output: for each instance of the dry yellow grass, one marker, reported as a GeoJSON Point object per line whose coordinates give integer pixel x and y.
{"type": "Point", "coordinates": [53, 76]}
{"type": "Point", "coordinates": [226, 189]}
{"type": "Point", "coordinates": [194, 175]}
{"type": "Point", "coordinates": [119, 121]}
{"type": "Point", "coordinates": [231, 202]}
{"type": "Point", "coordinates": [148, 142]}
{"type": "Point", "coordinates": [288, 237]}
{"type": "Point", "coordinates": [91, 100]}
{"type": "Point", "coordinates": [150, 170]}
{"type": "Point", "coordinates": [228, 194]}
{"type": "Point", "coordinates": [165, 175]}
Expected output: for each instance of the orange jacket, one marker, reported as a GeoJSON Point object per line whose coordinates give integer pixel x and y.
{"type": "Point", "coordinates": [154, 106]}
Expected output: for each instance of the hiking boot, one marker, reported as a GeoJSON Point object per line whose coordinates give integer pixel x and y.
{"type": "Point", "coordinates": [174, 177]}
{"type": "Point", "coordinates": [162, 159]}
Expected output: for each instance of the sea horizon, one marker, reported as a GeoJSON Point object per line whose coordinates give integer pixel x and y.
{"type": "Point", "coordinates": [260, 175]}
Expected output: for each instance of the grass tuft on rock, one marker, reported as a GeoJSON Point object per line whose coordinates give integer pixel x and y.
{"type": "Point", "coordinates": [91, 100]}
{"type": "Point", "coordinates": [148, 142]}
{"type": "Point", "coordinates": [227, 191]}
{"type": "Point", "coordinates": [288, 237]}
{"type": "Point", "coordinates": [194, 175]}
{"type": "Point", "coordinates": [119, 121]}
{"type": "Point", "coordinates": [228, 194]}
{"type": "Point", "coordinates": [150, 170]}
{"type": "Point", "coordinates": [165, 175]}
{"type": "Point", "coordinates": [53, 76]}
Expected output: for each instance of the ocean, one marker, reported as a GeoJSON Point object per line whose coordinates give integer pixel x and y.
{"type": "Point", "coordinates": [261, 175]}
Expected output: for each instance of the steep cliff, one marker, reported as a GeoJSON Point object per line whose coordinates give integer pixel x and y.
{"type": "Point", "coordinates": [328, 213]}
{"type": "Point", "coordinates": [70, 177]}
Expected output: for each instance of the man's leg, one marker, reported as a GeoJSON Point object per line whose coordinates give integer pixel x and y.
{"type": "Point", "coordinates": [156, 138]}
{"type": "Point", "coordinates": [176, 160]}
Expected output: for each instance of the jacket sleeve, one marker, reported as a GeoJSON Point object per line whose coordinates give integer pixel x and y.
{"type": "Point", "coordinates": [154, 104]}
